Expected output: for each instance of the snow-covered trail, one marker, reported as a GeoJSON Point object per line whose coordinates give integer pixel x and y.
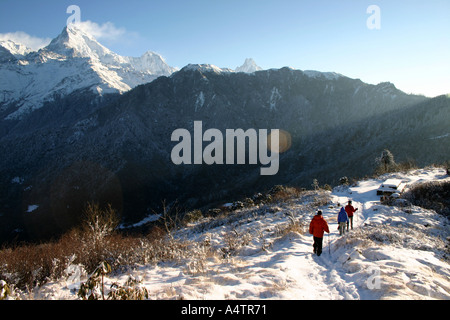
{"type": "Point", "coordinates": [342, 274]}
{"type": "Point", "coordinates": [317, 277]}
{"type": "Point", "coordinates": [390, 254]}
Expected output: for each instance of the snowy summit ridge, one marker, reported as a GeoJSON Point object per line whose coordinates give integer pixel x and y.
{"type": "Point", "coordinates": [249, 66]}
{"type": "Point", "coordinates": [16, 49]}
{"type": "Point", "coordinates": [73, 42]}
{"type": "Point", "coordinates": [205, 68]}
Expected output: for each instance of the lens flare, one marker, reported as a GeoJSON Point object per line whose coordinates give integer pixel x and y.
{"type": "Point", "coordinates": [285, 142]}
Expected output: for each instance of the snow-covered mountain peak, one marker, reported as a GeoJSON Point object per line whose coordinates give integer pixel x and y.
{"type": "Point", "coordinates": [249, 66]}
{"type": "Point", "coordinates": [75, 43]}
{"type": "Point", "coordinates": [72, 61]}
{"type": "Point", "coordinates": [16, 49]}
{"type": "Point", "coordinates": [151, 62]}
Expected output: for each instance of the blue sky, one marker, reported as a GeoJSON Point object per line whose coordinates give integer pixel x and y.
{"type": "Point", "coordinates": [411, 49]}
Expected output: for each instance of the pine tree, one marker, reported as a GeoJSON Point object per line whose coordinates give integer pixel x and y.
{"type": "Point", "coordinates": [386, 160]}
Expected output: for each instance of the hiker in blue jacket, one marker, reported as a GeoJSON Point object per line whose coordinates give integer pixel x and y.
{"type": "Point", "coordinates": [342, 221]}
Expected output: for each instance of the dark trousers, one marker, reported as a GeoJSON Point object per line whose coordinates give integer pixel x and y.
{"type": "Point", "coordinates": [350, 221]}
{"type": "Point", "coordinates": [318, 245]}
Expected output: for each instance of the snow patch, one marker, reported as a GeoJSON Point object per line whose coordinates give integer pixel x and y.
{"type": "Point", "coordinates": [17, 180]}
{"type": "Point", "coordinates": [440, 137]}
{"type": "Point", "coordinates": [275, 96]}
{"type": "Point", "coordinates": [200, 101]}
{"type": "Point", "coordinates": [148, 219]}
{"type": "Point", "coordinates": [32, 207]}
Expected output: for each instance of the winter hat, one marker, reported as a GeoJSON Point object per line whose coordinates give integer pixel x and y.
{"type": "Point", "coordinates": [319, 212]}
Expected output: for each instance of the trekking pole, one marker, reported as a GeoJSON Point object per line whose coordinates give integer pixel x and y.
{"type": "Point", "coordinates": [329, 245]}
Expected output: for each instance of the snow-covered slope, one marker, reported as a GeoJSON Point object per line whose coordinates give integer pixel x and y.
{"type": "Point", "coordinates": [265, 252]}
{"type": "Point", "coordinates": [74, 60]}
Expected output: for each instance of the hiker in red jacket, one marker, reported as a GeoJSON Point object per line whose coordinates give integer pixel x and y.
{"type": "Point", "coordinates": [350, 211]}
{"type": "Point", "coordinates": [317, 227]}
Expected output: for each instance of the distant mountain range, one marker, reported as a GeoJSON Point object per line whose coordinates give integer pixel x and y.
{"type": "Point", "coordinates": [74, 60]}
{"type": "Point", "coordinates": [80, 123]}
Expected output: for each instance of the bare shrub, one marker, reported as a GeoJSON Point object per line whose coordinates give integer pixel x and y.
{"type": "Point", "coordinates": [293, 225]}
{"type": "Point", "coordinates": [171, 218]}
{"type": "Point", "coordinates": [27, 266]}
{"type": "Point", "coordinates": [322, 198]}
{"type": "Point", "coordinates": [431, 195]}
{"type": "Point", "coordinates": [283, 193]}
{"type": "Point", "coordinates": [95, 235]}
{"type": "Point", "coordinates": [99, 223]}
{"type": "Point", "coordinates": [407, 165]}
{"type": "Point", "coordinates": [234, 241]}
{"type": "Point", "coordinates": [192, 216]}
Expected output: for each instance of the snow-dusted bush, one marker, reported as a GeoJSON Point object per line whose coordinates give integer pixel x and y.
{"type": "Point", "coordinates": [397, 236]}
{"type": "Point", "coordinates": [234, 241]}
{"type": "Point", "coordinates": [344, 181]}
{"type": "Point", "coordinates": [93, 288]}
{"type": "Point", "coordinates": [292, 225]}
{"type": "Point", "coordinates": [130, 290]}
